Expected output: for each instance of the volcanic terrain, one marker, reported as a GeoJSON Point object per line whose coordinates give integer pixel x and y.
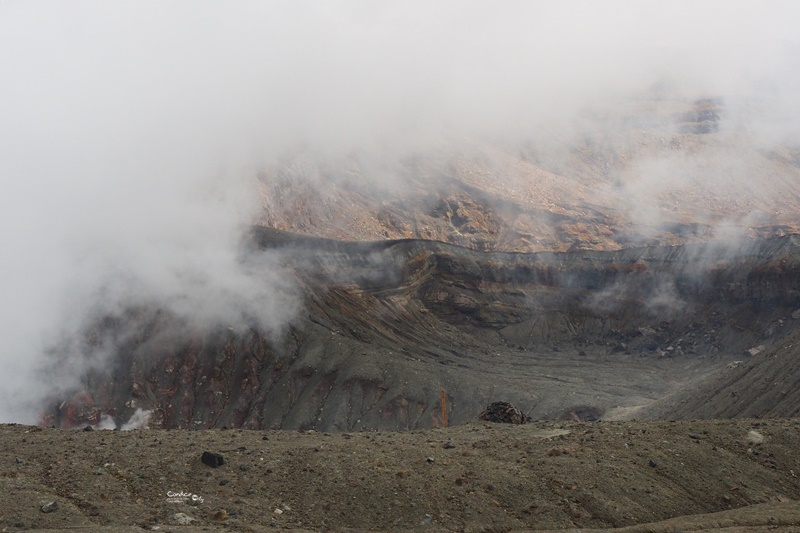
{"type": "Point", "coordinates": [560, 280]}
{"type": "Point", "coordinates": [565, 278]}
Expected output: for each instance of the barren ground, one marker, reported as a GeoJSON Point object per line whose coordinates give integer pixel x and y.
{"type": "Point", "coordinates": [731, 476]}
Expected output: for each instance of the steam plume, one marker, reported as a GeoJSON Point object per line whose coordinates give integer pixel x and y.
{"type": "Point", "coordinates": [132, 132]}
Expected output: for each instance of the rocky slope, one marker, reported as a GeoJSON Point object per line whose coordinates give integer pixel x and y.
{"type": "Point", "coordinates": [386, 326]}
{"type": "Point", "coordinates": [761, 385]}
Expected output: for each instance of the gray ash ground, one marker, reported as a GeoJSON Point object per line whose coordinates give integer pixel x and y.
{"type": "Point", "coordinates": [731, 475]}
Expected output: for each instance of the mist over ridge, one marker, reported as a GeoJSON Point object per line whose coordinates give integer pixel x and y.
{"type": "Point", "coordinates": [140, 140]}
